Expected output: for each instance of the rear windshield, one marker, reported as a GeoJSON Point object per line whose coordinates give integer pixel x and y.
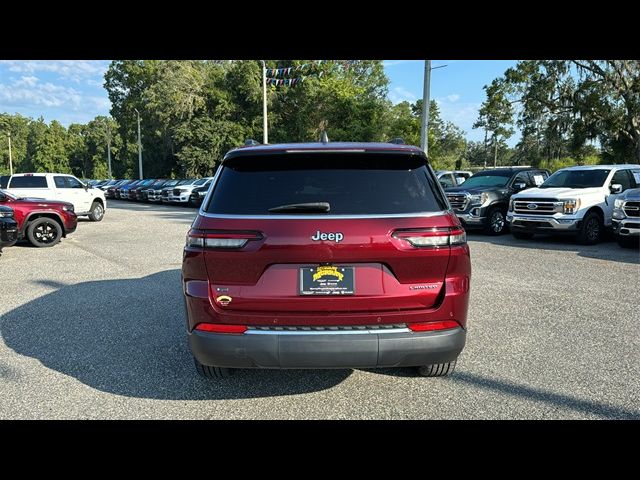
{"type": "Point", "coordinates": [576, 179]}
{"type": "Point", "coordinates": [28, 182]}
{"type": "Point", "coordinates": [352, 184]}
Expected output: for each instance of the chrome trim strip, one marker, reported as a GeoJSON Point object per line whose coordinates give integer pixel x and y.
{"type": "Point", "coordinates": [326, 332]}
{"type": "Point", "coordinates": [321, 217]}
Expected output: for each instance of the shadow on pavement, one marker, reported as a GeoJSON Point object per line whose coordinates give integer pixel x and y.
{"type": "Point", "coordinates": [127, 337]}
{"type": "Point", "coordinates": [606, 250]}
{"type": "Point", "coordinates": [524, 392]}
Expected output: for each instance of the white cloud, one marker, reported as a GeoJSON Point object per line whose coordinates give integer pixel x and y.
{"type": "Point", "coordinates": [453, 98]}
{"type": "Point", "coordinates": [28, 92]}
{"type": "Point", "coordinates": [74, 70]}
{"type": "Point", "coordinates": [401, 94]}
{"type": "Point", "coordinates": [393, 63]}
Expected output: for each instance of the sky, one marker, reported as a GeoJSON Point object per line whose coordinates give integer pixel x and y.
{"type": "Point", "coordinates": [71, 91]}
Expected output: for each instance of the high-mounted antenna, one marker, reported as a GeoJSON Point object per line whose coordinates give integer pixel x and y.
{"type": "Point", "coordinates": [323, 137]}
{"type": "Point", "coordinates": [250, 142]}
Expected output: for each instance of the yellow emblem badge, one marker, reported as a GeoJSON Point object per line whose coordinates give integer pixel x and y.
{"type": "Point", "coordinates": [327, 271]}
{"type": "Point", "coordinates": [223, 300]}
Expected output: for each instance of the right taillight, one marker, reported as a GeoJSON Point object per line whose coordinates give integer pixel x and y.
{"type": "Point", "coordinates": [220, 240]}
{"type": "Point", "coordinates": [431, 237]}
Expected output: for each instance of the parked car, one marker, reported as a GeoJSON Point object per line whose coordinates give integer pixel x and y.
{"type": "Point", "coordinates": [143, 193]}
{"type": "Point", "coordinates": [342, 255]}
{"type": "Point", "coordinates": [168, 191]}
{"type": "Point", "coordinates": [577, 201]}
{"type": "Point", "coordinates": [626, 216]}
{"type": "Point", "coordinates": [482, 201]}
{"type": "Point", "coordinates": [182, 193]}
{"type": "Point", "coordinates": [198, 194]}
{"type": "Point", "coordinates": [123, 190]}
{"type": "Point", "coordinates": [112, 190]}
{"type": "Point", "coordinates": [108, 183]}
{"type": "Point", "coordinates": [8, 228]}
{"type": "Point", "coordinates": [452, 178]}
{"type": "Point", "coordinates": [154, 194]}
{"type": "Point", "coordinates": [132, 194]}
{"type": "Point", "coordinates": [90, 202]}
{"type": "Point", "coordinates": [42, 222]}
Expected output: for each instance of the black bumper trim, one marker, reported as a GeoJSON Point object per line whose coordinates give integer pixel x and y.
{"type": "Point", "coordinates": [327, 351]}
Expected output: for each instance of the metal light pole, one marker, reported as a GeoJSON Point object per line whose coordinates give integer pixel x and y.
{"type": "Point", "coordinates": [109, 148]}
{"type": "Point", "coordinates": [265, 132]}
{"type": "Point", "coordinates": [424, 131]}
{"type": "Point", "coordinates": [10, 159]}
{"type": "Point", "coordinates": [139, 146]}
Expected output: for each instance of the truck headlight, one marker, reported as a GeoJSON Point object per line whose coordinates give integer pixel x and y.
{"type": "Point", "coordinates": [67, 208]}
{"type": "Point", "coordinates": [618, 203]}
{"type": "Point", "coordinates": [511, 205]}
{"type": "Point", "coordinates": [478, 199]}
{"type": "Point", "coordinates": [570, 206]}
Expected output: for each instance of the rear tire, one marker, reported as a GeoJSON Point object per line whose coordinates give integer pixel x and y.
{"type": "Point", "coordinates": [44, 232]}
{"type": "Point", "coordinates": [207, 371]}
{"type": "Point", "coordinates": [522, 235]}
{"type": "Point", "coordinates": [591, 229]}
{"type": "Point", "coordinates": [496, 221]}
{"type": "Point", "coordinates": [437, 369]}
{"type": "Point", "coordinates": [96, 213]}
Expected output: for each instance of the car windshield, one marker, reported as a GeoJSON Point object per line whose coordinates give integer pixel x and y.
{"type": "Point", "coordinates": [576, 179]}
{"type": "Point", "coordinates": [171, 183]}
{"type": "Point", "coordinates": [488, 179]}
{"type": "Point", "coordinates": [187, 182]}
{"type": "Point", "coordinates": [202, 181]}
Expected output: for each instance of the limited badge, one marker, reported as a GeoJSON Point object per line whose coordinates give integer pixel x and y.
{"type": "Point", "coordinates": [223, 300]}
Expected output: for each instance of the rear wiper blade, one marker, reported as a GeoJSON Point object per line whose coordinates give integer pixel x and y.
{"type": "Point", "coordinates": [302, 207]}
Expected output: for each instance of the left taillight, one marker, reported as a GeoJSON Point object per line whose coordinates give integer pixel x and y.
{"type": "Point", "coordinates": [431, 237]}
{"type": "Point", "coordinates": [220, 240]}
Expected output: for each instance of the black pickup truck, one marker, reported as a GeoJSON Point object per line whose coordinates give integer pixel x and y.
{"type": "Point", "coordinates": [482, 201]}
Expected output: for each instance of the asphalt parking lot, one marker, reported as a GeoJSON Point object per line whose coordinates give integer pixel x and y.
{"type": "Point", "coordinates": [94, 328]}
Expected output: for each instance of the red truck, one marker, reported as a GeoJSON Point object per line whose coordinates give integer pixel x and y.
{"type": "Point", "coordinates": [42, 222]}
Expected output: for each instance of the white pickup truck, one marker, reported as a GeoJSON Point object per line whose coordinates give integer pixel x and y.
{"type": "Point", "coordinates": [87, 201]}
{"type": "Point", "coordinates": [575, 200]}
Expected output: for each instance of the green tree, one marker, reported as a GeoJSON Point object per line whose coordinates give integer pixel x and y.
{"type": "Point", "coordinates": [496, 115]}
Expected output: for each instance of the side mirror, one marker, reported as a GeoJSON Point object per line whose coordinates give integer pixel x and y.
{"type": "Point", "coordinates": [615, 188]}
{"type": "Point", "coordinates": [519, 186]}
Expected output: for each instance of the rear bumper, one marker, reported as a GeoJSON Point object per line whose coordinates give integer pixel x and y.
{"type": "Point", "coordinates": [323, 350]}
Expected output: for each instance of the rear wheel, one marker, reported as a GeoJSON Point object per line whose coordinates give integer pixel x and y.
{"type": "Point", "coordinates": [522, 235]}
{"type": "Point", "coordinates": [591, 230]}
{"type": "Point", "coordinates": [44, 232]}
{"type": "Point", "coordinates": [207, 371]}
{"type": "Point", "coordinates": [437, 369]}
{"type": "Point", "coordinates": [97, 212]}
{"type": "Point", "coordinates": [496, 222]}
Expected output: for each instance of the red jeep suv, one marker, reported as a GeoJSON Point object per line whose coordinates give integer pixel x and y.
{"type": "Point", "coordinates": [42, 222]}
{"type": "Point", "coordinates": [326, 255]}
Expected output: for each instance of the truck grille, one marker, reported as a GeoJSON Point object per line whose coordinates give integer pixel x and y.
{"type": "Point", "coordinates": [458, 201]}
{"type": "Point", "coordinates": [165, 193]}
{"type": "Point", "coordinates": [177, 191]}
{"type": "Point", "coordinates": [537, 206]}
{"type": "Point", "coordinates": [632, 209]}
